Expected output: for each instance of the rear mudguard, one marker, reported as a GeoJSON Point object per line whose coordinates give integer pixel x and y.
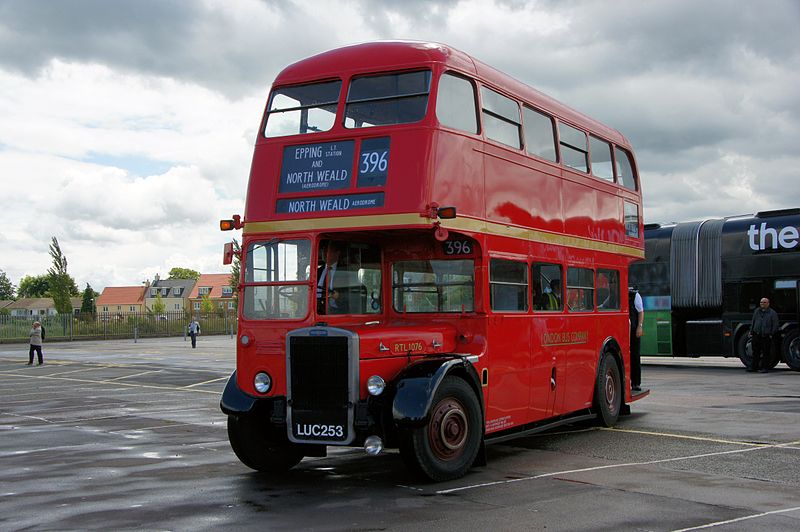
{"type": "Point", "coordinates": [416, 386]}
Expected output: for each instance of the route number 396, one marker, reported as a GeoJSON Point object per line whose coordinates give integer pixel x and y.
{"type": "Point", "coordinates": [457, 247]}
{"type": "Point", "coordinates": [374, 162]}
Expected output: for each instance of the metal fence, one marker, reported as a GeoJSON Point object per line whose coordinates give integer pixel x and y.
{"type": "Point", "coordinates": [113, 326]}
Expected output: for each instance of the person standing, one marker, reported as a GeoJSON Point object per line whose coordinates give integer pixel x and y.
{"type": "Point", "coordinates": [763, 327]}
{"type": "Point", "coordinates": [194, 331]}
{"type": "Point", "coordinates": [37, 337]}
{"type": "Point", "coordinates": [636, 312]}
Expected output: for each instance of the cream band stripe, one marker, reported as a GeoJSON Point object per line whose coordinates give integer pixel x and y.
{"type": "Point", "coordinates": [463, 223]}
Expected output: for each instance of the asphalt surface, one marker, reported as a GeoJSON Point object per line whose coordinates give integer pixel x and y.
{"type": "Point", "coordinates": [120, 435]}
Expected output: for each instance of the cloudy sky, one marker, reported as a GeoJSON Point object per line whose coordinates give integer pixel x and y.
{"type": "Point", "coordinates": [127, 127]}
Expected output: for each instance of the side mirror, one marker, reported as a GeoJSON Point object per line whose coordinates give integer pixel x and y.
{"type": "Point", "coordinates": [227, 253]}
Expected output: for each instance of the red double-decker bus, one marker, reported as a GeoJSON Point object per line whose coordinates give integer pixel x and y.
{"type": "Point", "coordinates": [434, 257]}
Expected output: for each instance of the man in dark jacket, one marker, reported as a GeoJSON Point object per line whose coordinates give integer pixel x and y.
{"type": "Point", "coordinates": [763, 327]}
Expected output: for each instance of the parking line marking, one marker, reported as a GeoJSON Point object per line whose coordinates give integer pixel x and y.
{"type": "Point", "coordinates": [135, 375]}
{"type": "Point", "coordinates": [755, 447]}
{"type": "Point", "coordinates": [207, 382]}
{"type": "Point", "coordinates": [117, 383]}
{"type": "Point", "coordinates": [684, 436]}
{"type": "Point", "coordinates": [738, 519]}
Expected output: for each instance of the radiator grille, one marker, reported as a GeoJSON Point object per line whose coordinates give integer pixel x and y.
{"type": "Point", "coordinates": [319, 372]}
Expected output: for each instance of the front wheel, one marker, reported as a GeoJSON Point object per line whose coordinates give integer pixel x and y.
{"type": "Point", "coordinates": [791, 350]}
{"type": "Point", "coordinates": [447, 445]}
{"type": "Point", "coordinates": [744, 349]}
{"type": "Point", "coordinates": [256, 448]}
{"type": "Point", "coordinates": [608, 392]}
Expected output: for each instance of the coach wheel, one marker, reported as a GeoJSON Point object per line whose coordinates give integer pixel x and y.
{"type": "Point", "coordinates": [744, 349]}
{"type": "Point", "coordinates": [791, 350]}
{"type": "Point", "coordinates": [608, 392]}
{"type": "Point", "coordinates": [446, 446]}
{"type": "Point", "coordinates": [256, 448]}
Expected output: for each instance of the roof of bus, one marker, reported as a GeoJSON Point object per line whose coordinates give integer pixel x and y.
{"type": "Point", "coordinates": [391, 55]}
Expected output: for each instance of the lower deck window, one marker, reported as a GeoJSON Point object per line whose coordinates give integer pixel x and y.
{"type": "Point", "coordinates": [433, 286]}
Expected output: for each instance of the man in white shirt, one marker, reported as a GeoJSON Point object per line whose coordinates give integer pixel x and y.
{"type": "Point", "coordinates": [326, 293]}
{"type": "Point", "coordinates": [636, 309]}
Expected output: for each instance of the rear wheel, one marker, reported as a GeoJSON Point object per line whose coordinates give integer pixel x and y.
{"type": "Point", "coordinates": [446, 446]}
{"type": "Point", "coordinates": [608, 391]}
{"type": "Point", "coordinates": [790, 347]}
{"type": "Point", "coordinates": [258, 449]}
{"type": "Point", "coordinates": [744, 349]}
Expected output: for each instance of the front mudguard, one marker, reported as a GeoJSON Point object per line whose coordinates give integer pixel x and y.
{"type": "Point", "coordinates": [416, 387]}
{"type": "Point", "coordinates": [236, 403]}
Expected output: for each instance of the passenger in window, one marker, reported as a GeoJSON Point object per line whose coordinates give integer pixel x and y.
{"type": "Point", "coordinates": [552, 295]}
{"type": "Point", "coordinates": [329, 299]}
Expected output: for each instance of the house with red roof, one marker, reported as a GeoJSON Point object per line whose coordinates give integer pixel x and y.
{"type": "Point", "coordinates": [121, 300]}
{"type": "Point", "coordinates": [217, 287]}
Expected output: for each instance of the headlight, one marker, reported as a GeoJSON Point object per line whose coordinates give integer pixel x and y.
{"type": "Point", "coordinates": [375, 385]}
{"type": "Point", "coordinates": [262, 382]}
{"type": "Point", "coordinates": [244, 339]}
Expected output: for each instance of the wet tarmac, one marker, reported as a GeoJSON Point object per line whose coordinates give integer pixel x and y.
{"type": "Point", "coordinates": [120, 435]}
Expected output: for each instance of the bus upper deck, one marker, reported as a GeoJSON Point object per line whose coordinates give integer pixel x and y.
{"type": "Point", "coordinates": [379, 135]}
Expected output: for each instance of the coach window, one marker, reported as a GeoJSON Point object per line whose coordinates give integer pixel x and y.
{"type": "Point", "coordinates": [540, 139]}
{"type": "Point", "coordinates": [302, 109]}
{"type": "Point", "coordinates": [455, 103]}
{"type": "Point", "coordinates": [624, 169]}
{"type": "Point", "coordinates": [501, 120]}
{"type": "Point", "coordinates": [387, 99]}
{"type": "Point", "coordinates": [546, 282]}
{"type": "Point", "coordinates": [276, 279]}
{"type": "Point", "coordinates": [631, 220]}
{"type": "Point", "coordinates": [601, 158]}
{"type": "Point", "coordinates": [509, 285]}
{"type": "Point", "coordinates": [580, 289]}
{"type": "Point", "coordinates": [574, 151]}
{"type": "Point", "coordinates": [607, 290]}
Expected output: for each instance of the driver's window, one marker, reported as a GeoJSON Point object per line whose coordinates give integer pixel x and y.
{"type": "Point", "coordinates": [348, 278]}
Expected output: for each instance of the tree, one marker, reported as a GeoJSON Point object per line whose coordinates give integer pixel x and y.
{"type": "Point", "coordinates": [236, 271]}
{"type": "Point", "coordinates": [34, 286]}
{"type": "Point", "coordinates": [206, 305]}
{"type": "Point", "coordinates": [62, 286]}
{"type": "Point", "coordinates": [87, 301]}
{"type": "Point", "coordinates": [159, 307]}
{"type": "Point", "coordinates": [6, 288]}
{"type": "Point", "coordinates": [183, 273]}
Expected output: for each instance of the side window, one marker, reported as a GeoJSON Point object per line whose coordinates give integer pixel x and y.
{"type": "Point", "coordinates": [540, 139]}
{"type": "Point", "coordinates": [631, 219]}
{"type": "Point", "coordinates": [501, 120]}
{"type": "Point", "coordinates": [580, 289]}
{"type": "Point", "coordinates": [607, 290]}
{"type": "Point", "coordinates": [546, 283]}
{"type": "Point", "coordinates": [455, 103]}
{"type": "Point", "coordinates": [574, 151]}
{"type": "Point", "coordinates": [624, 169]}
{"type": "Point", "coordinates": [601, 158]}
{"type": "Point", "coordinates": [508, 281]}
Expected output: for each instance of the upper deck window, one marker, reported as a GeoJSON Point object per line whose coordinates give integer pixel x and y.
{"type": "Point", "coordinates": [302, 109]}
{"type": "Point", "coordinates": [501, 119]}
{"type": "Point", "coordinates": [387, 99]}
{"type": "Point", "coordinates": [540, 139]}
{"type": "Point", "coordinates": [455, 103]}
{"type": "Point", "coordinates": [601, 158]}
{"type": "Point", "coordinates": [574, 150]}
{"type": "Point", "coordinates": [624, 169]}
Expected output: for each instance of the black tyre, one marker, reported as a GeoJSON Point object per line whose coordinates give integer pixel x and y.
{"type": "Point", "coordinates": [608, 393]}
{"type": "Point", "coordinates": [790, 347]}
{"type": "Point", "coordinates": [744, 349]}
{"type": "Point", "coordinates": [446, 446]}
{"type": "Point", "coordinates": [256, 448]}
